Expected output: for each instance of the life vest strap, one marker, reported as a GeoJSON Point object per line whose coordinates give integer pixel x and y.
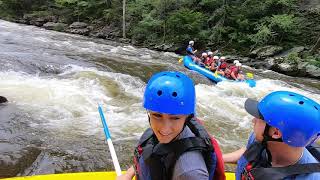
{"type": "Point", "coordinates": [278, 173]}
{"type": "Point", "coordinates": [180, 146]}
{"type": "Point", "coordinates": [314, 149]}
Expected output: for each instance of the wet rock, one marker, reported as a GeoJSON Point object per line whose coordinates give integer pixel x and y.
{"type": "Point", "coordinates": [244, 59]}
{"type": "Point", "coordinates": [286, 67]}
{"type": "Point", "coordinates": [27, 18]}
{"type": "Point", "coordinates": [313, 71]}
{"type": "Point", "coordinates": [231, 58]}
{"type": "Point", "coordinates": [3, 99]}
{"type": "Point", "coordinates": [16, 151]}
{"type": "Point", "coordinates": [55, 26]}
{"type": "Point", "coordinates": [14, 158]}
{"type": "Point", "coordinates": [45, 164]}
{"type": "Point", "coordinates": [97, 35]}
{"type": "Point", "coordinates": [309, 5]}
{"type": "Point", "coordinates": [38, 21]}
{"type": "Point", "coordinates": [106, 32]}
{"type": "Point", "coordinates": [257, 64]}
{"type": "Point", "coordinates": [265, 51]}
{"type": "Point", "coordinates": [302, 69]}
{"type": "Point", "coordinates": [124, 40]}
{"type": "Point", "coordinates": [53, 162]}
{"type": "Point", "coordinates": [78, 25]}
{"type": "Point", "coordinates": [50, 69]}
{"type": "Point", "coordinates": [21, 21]}
{"type": "Point", "coordinates": [79, 28]}
{"type": "Point", "coordinates": [163, 47]}
{"type": "Point", "coordinates": [269, 62]}
{"type": "Point", "coordinates": [297, 50]}
{"type": "Point", "coordinates": [84, 31]}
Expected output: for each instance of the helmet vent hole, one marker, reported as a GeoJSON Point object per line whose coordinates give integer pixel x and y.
{"type": "Point", "coordinates": [301, 102]}
{"type": "Point", "coordinates": [164, 74]}
{"type": "Point", "coordinates": [316, 107]}
{"type": "Point", "coordinates": [178, 76]}
{"type": "Point", "coordinates": [174, 94]}
{"type": "Point", "coordinates": [159, 93]}
{"type": "Point", "coordinates": [291, 95]}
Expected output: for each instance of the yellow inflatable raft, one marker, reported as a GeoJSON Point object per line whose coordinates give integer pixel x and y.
{"type": "Point", "coordinates": [85, 175]}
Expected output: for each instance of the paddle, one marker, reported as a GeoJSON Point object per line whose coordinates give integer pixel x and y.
{"type": "Point", "coordinates": [216, 72]}
{"type": "Point", "coordinates": [249, 75]}
{"type": "Point", "coordinates": [110, 144]}
{"type": "Point", "coordinates": [180, 60]}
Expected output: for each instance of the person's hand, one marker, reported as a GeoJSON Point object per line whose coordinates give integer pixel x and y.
{"type": "Point", "coordinates": [128, 175]}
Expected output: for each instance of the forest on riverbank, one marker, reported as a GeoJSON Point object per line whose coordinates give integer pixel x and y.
{"type": "Point", "coordinates": [235, 26]}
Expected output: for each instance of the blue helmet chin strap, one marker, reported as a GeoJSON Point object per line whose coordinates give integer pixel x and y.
{"type": "Point", "coordinates": [266, 138]}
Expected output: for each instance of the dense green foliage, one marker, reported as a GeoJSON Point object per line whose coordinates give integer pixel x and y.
{"type": "Point", "coordinates": [228, 24]}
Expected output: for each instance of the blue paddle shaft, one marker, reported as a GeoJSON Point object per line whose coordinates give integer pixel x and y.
{"type": "Point", "coordinates": [105, 126]}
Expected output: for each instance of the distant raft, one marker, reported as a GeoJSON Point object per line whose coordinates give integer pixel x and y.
{"type": "Point", "coordinates": [188, 63]}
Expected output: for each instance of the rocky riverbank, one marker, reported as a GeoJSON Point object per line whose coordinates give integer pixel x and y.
{"type": "Point", "coordinates": [292, 62]}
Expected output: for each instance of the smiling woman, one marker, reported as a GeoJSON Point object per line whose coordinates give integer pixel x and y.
{"type": "Point", "coordinates": [166, 127]}
{"type": "Point", "coordinates": [176, 146]}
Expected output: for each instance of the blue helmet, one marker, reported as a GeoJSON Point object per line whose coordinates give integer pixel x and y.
{"type": "Point", "coordinates": [170, 93]}
{"type": "Point", "coordinates": [296, 116]}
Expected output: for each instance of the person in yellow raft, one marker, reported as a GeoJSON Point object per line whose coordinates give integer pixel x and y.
{"type": "Point", "coordinates": [176, 146]}
{"type": "Point", "coordinates": [284, 124]}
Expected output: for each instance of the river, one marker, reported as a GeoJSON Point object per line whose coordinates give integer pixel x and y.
{"type": "Point", "coordinates": [54, 82]}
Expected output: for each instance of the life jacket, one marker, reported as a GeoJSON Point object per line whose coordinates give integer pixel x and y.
{"type": "Point", "coordinates": [190, 50]}
{"type": "Point", "coordinates": [162, 157]}
{"type": "Point", "coordinates": [203, 59]}
{"type": "Point", "coordinates": [223, 66]}
{"type": "Point", "coordinates": [258, 166]}
{"type": "Point", "coordinates": [209, 61]}
{"type": "Point", "coordinates": [233, 69]}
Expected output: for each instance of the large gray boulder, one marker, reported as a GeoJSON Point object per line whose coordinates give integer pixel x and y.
{"type": "Point", "coordinates": [286, 67]}
{"type": "Point", "coordinates": [296, 50]}
{"type": "Point", "coordinates": [78, 25]}
{"type": "Point", "coordinates": [79, 28]}
{"type": "Point", "coordinates": [302, 69]}
{"type": "Point", "coordinates": [55, 26]}
{"type": "Point", "coordinates": [266, 51]}
{"type": "Point", "coordinates": [313, 71]}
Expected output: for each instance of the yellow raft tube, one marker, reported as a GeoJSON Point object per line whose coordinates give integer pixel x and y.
{"type": "Point", "coordinates": [85, 176]}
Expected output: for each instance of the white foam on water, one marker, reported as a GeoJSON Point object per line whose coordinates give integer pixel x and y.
{"type": "Point", "coordinates": [227, 99]}
{"type": "Point", "coordinates": [69, 105]}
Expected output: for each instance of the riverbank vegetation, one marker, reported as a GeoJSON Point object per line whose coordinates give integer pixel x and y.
{"type": "Point", "coordinates": [234, 26]}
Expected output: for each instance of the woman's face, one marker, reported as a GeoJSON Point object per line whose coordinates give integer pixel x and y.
{"type": "Point", "coordinates": [166, 126]}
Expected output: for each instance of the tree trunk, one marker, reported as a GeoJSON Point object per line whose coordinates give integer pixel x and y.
{"type": "Point", "coordinates": [124, 19]}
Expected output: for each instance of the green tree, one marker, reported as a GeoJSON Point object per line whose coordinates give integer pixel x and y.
{"type": "Point", "coordinates": [148, 30]}
{"type": "Point", "coordinates": [185, 24]}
